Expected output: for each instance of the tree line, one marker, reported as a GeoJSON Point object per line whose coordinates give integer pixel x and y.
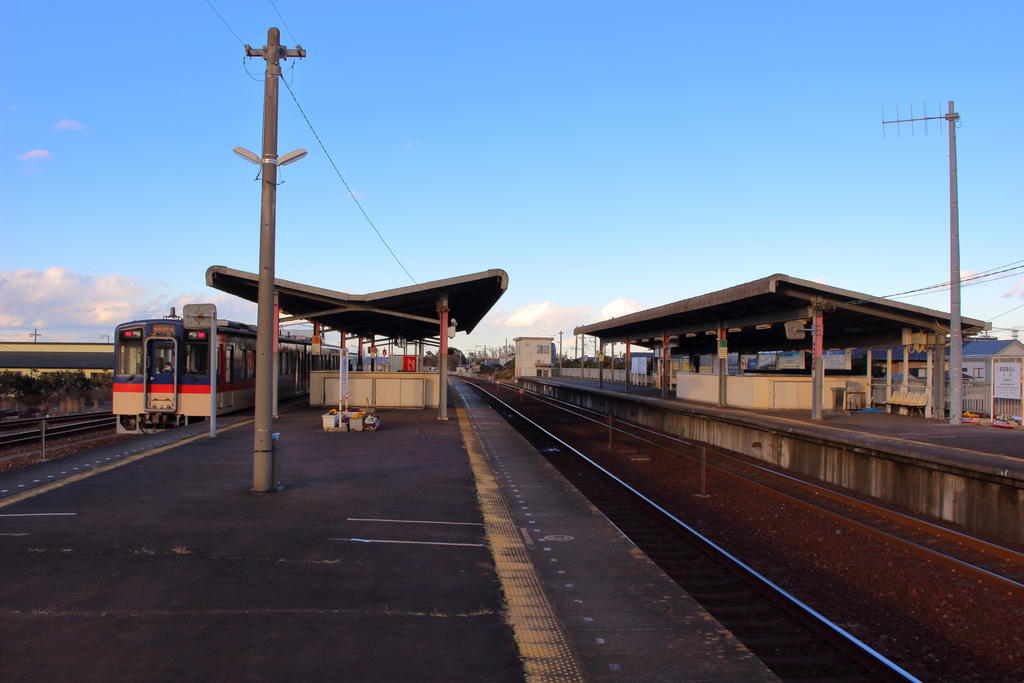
{"type": "Point", "coordinates": [65, 391]}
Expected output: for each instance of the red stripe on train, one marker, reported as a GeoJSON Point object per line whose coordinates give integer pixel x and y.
{"type": "Point", "coordinates": [126, 388]}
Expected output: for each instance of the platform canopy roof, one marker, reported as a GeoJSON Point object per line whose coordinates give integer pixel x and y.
{"type": "Point", "coordinates": [407, 312]}
{"type": "Point", "coordinates": [754, 314]}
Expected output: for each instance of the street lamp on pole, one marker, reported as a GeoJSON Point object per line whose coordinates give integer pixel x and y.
{"type": "Point", "coordinates": [264, 476]}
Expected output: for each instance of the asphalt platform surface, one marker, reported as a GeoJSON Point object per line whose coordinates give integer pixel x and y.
{"type": "Point", "coordinates": [379, 559]}
{"type": "Point", "coordinates": [168, 568]}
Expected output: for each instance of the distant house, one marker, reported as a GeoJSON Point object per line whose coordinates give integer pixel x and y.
{"type": "Point", "coordinates": [979, 354]}
{"type": "Point", "coordinates": [34, 358]}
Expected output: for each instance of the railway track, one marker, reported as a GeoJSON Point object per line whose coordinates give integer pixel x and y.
{"type": "Point", "coordinates": [793, 639]}
{"type": "Point", "coordinates": [33, 430]}
{"type": "Point", "coordinates": [975, 559]}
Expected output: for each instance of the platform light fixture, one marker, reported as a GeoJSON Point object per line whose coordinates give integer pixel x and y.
{"type": "Point", "coordinates": [291, 157]}
{"type": "Point", "coordinates": [246, 154]}
{"type": "Point", "coordinates": [283, 160]}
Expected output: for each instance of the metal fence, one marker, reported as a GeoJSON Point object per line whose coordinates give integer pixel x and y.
{"type": "Point", "coordinates": [976, 397]}
{"type": "Point", "coordinates": [637, 379]}
{"type": "Point", "coordinates": [999, 398]}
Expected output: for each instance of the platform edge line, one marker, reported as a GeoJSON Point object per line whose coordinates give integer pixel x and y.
{"type": "Point", "coordinates": [544, 646]}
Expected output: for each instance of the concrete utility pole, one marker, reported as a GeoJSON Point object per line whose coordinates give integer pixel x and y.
{"type": "Point", "coordinates": [560, 353]}
{"type": "Point", "coordinates": [956, 342]}
{"type": "Point", "coordinates": [263, 465]}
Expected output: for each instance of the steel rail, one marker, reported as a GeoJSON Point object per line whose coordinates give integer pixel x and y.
{"type": "Point", "coordinates": [50, 419]}
{"type": "Point", "coordinates": [994, 550]}
{"type": "Point", "coordinates": [58, 431]}
{"type": "Point", "coordinates": [835, 632]}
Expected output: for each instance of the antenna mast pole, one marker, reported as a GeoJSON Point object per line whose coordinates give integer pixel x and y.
{"type": "Point", "coordinates": [956, 345]}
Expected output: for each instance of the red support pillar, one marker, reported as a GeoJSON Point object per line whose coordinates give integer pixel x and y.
{"type": "Point", "coordinates": [629, 367]}
{"type": "Point", "coordinates": [818, 367]}
{"type": "Point", "coordinates": [442, 361]}
{"type": "Point", "coordinates": [664, 365]}
{"type": "Point", "coordinates": [723, 366]}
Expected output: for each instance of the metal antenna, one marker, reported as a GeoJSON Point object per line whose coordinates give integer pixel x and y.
{"type": "Point", "coordinates": [956, 348]}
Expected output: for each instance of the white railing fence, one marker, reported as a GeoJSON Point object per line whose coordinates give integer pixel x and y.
{"type": "Point", "coordinates": [637, 379]}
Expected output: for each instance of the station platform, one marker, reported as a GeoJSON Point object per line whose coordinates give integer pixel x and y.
{"type": "Point", "coordinates": [982, 439]}
{"type": "Point", "coordinates": [425, 550]}
{"type": "Point", "coordinates": [969, 475]}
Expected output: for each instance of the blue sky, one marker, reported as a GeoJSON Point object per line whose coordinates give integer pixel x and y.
{"type": "Point", "coordinates": [609, 156]}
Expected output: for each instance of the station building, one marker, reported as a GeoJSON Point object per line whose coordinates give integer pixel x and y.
{"type": "Point", "coordinates": [34, 358]}
{"type": "Point", "coordinates": [534, 356]}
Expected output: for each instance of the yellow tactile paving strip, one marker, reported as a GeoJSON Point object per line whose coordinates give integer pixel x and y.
{"type": "Point", "coordinates": [543, 644]}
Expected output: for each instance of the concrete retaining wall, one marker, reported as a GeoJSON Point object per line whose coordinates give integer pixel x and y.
{"type": "Point", "coordinates": [983, 499]}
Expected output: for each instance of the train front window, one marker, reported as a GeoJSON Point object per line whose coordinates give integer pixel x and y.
{"type": "Point", "coordinates": [197, 358]}
{"type": "Point", "coordinates": [129, 352]}
{"type": "Point", "coordinates": [162, 356]}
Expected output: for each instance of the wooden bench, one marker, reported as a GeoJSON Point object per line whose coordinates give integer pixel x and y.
{"type": "Point", "coordinates": [909, 399]}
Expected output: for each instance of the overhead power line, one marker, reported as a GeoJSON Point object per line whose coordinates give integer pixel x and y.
{"type": "Point", "coordinates": [281, 17]}
{"type": "Point", "coordinates": [320, 142]}
{"type": "Point", "coordinates": [1004, 271]}
{"type": "Point", "coordinates": [1005, 312]}
{"type": "Point", "coordinates": [978, 279]}
{"type": "Point", "coordinates": [345, 183]}
{"type": "Point", "coordinates": [223, 21]}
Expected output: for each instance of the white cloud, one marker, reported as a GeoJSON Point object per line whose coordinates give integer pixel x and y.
{"type": "Point", "coordinates": [69, 306]}
{"type": "Point", "coordinates": [67, 124]}
{"type": "Point", "coordinates": [35, 154]}
{"type": "Point", "coordinates": [620, 307]}
{"type": "Point", "coordinates": [1016, 290]}
{"type": "Point", "coordinates": [544, 314]}
{"type": "Point", "coordinates": [541, 319]}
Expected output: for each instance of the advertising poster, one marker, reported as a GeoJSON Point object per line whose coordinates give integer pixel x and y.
{"type": "Point", "coordinates": [791, 360]}
{"type": "Point", "coordinates": [836, 359]}
{"type": "Point", "coordinates": [767, 361]}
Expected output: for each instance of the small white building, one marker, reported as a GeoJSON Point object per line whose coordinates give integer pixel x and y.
{"type": "Point", "coordinates": [979, 354]}
{"type": "Point", "coordinates": [534, 356]}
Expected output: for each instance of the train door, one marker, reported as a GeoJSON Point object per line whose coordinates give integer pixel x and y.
{"type": "Point", "coordinates": [160, 389]}
{"type": "Point", "coordinates": [225, 392]}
